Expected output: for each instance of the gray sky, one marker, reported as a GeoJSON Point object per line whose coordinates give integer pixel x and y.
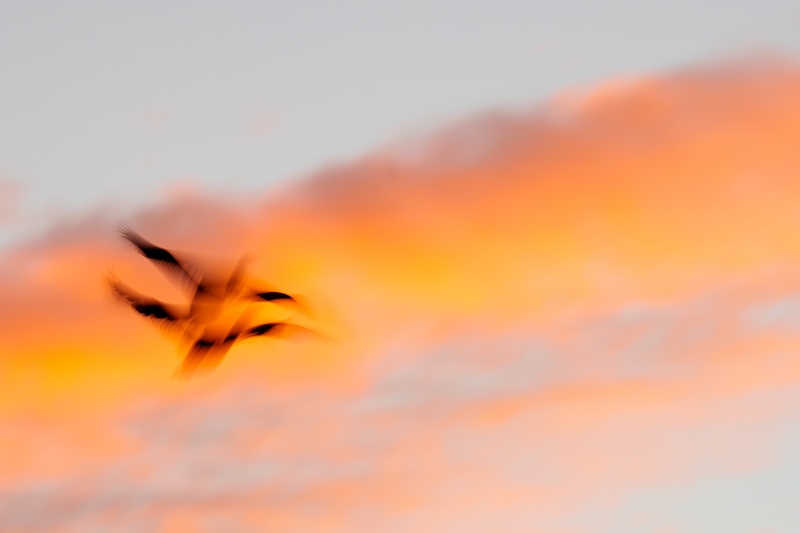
{"type": "Point", "coordinates": [116, 102]}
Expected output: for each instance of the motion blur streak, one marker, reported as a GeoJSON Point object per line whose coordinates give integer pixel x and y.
{"type": "Point", "coordinates": [581, 318]}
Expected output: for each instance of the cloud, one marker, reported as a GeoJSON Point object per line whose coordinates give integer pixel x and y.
{"type": "Point", "coordinates": [538, 317]}
{"type": "Point", "coordinates": [531, 439]}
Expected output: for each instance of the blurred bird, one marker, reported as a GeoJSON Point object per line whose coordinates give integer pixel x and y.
{"type": "Point", "coordinates": [211, 351]}
{"type": "Point", "coordinates": [197, 322]}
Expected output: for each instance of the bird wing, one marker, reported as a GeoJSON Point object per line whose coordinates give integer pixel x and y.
{"type": "Point", "coordinates": [282, 298]}
{"type": "Point", "coordinates": [280, 330]}
{"type": "Point", "coordinates": [204, 354]}
{"type": "Point", "coordinates": [199, 350]}
{"type": "Point", "coordinates": [167, 316]}
{"type": "Point", "coordinates": [176, 271]}
{"type": "Point", "coordinates": [270, 296]}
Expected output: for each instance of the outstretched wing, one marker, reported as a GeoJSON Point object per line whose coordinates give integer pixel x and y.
{"type": "Point", "coordinates": [280, 330]}
{"type": "Point", "coordinates": [282, 298]}
{"type": "Point", "coordinates": [206, 354]}
{"type": "Point", "coordinates": [165, 315]}
{"type": "Point", "coordinates": [174, 269]}
{"type": "Point", "coordinates": [271, 296]}
{"type": "Point", "coordinates": [199, 350]}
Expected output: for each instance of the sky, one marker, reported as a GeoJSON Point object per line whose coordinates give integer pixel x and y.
{"type": "Point", "coordinates": [551, 251]}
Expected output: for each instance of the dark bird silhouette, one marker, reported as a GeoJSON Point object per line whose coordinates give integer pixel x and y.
{"type": "Point", "coordinates": [166, 316]}
{"type": "Point", "coordinates": [178, 272]}
{"type": "Point", "coordinates": [282, 298]}
{"type": "Point", "coordinates": [197, 322]}
{"type": "Point", "coordinates": [271, 296]}
{"type": "Point", "coordinates": [211, 351]}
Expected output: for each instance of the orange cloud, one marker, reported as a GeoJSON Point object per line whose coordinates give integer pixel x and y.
{"type": "Point", "coordinates": [537, 318]}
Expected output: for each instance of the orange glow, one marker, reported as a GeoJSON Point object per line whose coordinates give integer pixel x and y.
{"type": "Point", "coordinates": [640, 232]}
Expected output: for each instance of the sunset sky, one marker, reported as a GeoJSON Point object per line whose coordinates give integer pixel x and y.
{"type": "Point", "coordinates": [552, 251]}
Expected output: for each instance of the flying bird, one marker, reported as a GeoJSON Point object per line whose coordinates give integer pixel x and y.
{"type": "Point", "coordinates": [211, 351]}
{"type": "Point", "coordinates": [199, 322]}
